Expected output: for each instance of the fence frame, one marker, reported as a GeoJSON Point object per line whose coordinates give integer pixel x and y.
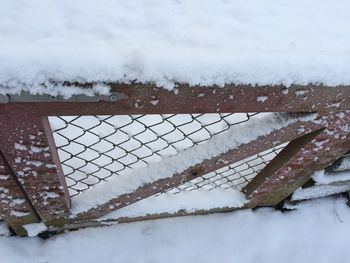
{"type": "Point", "coordinates": [289, 170]}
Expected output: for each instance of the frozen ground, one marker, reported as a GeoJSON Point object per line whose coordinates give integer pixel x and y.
{"type": "Point", "coordinates": [167, 41]}
{"type": "Point", "coordinates": [317, 232]}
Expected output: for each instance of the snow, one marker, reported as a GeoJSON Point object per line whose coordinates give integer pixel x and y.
{"type": "Point", "coordinates": [127, 183]}
{"type": "Point", "coordinates": [322, 177]}
{"type": "Point", "coordinates": [190, 201]}
{"type": "Point", "coordinates": [319, 191]}
{"type": "Point", "coordinates": [171, 41]}
{"type": "Point", "coordinates": [326, 183]}
{"type": "Point", "coordinates": [4, 231]}
{"type": "Point", "coordinates": [19, 213]}
{"type": "Point", "coordinates": [35, 228]}
{"type": "Point", "coordinates": [263, 235]}
{"type": "Point", "coordinates": [261, 98]}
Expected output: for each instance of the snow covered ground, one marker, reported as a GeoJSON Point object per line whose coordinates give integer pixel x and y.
{"type": "Point", "coordinates": [318, 231]}
{"type": "Point", "coordinates": [167, 41]}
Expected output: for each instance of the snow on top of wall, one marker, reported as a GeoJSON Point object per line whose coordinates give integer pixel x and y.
{"type": "Point", "coordinates": [172, 41]}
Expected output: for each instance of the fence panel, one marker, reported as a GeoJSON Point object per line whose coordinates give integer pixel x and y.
{"type": "Point", "coordinates": [164, 141]}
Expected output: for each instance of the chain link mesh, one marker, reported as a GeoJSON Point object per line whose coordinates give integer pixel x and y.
{"type": "Point", "coordinates": [234, 175]}
{"type": "Point", "coordinates": [94, 148]}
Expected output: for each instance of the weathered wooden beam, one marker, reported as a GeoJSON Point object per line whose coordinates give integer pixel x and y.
{"type": "Point", "coordinates": [27, 146]}
{"type": "Point", "coordinates": [125, 219]}
{"type": "Point", "coordinates": [280, 159]}
{"type": "Point", "coordinates": [149, 99]}
{"type": "Point", "coordinates": [15, 208]}
{"type": "Point", "coordinates": [324, 149]}
{"type": "Point", "coordinates": [262, 143]}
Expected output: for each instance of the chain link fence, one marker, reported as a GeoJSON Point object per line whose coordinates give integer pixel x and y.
{"type": "Point", "coordinates": [95, 148]}
{"type": "Point", "coordinates": [235, 175]}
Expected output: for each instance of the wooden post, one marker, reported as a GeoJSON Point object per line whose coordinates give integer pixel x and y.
{"type": "Point", "coordinates": [27, 146]}
{"type": "Point", "coordinates": [14, 205]}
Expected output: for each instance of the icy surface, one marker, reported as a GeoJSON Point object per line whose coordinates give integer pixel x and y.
{"type": "Point", "coordinates": [318, 231]}
{"type": "Point", "coordinates": [166, 41]}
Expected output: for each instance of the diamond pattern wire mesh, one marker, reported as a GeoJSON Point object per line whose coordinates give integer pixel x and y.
{"type": "Point", "coordinates": [234, 175]}
{"type": "Point", "coordinates": [94, 148]}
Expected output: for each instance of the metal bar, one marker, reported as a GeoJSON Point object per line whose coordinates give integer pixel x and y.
{"type": "Point", "coordinates": [14, 205]}
{"type": "Point", "coordinates": [262, 143]}
{"type": "Point", "coordinates": [148, 99]}
{"type": "Point", "coordinates": [324, 149]}
{"type": "Point", "coordinates": [28, 150]}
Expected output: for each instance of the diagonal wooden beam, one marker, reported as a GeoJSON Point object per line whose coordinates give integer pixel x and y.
{"type": "Point", "coordinates": [280, 159]}
{"type": "Point", "coordinates": [15, 207]}
{"type": "Point", "coordinates": [277, 182]}
{"type": "Point", "coordinates": [27, 147]}
{"type": "Point", "coordinates": [149, 99]}
{"type": "Point", "coordinates": [245, 150]}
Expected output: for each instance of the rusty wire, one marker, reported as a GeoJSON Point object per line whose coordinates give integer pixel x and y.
{"type": "Point", "coordinates": [94, 148]}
